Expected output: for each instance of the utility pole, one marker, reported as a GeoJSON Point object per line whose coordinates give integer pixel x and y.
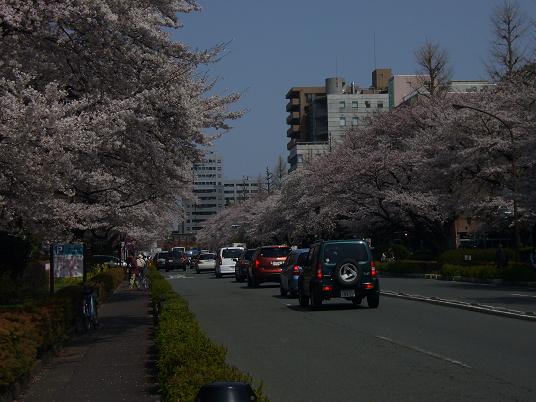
{"type": "Point", "coordinates": [268, 180]}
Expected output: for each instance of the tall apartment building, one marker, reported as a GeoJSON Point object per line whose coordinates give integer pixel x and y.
{"type": "Point", "coordinates": [320, 116]}
{"type": "Point", "coordinates": [212, 193]}
{"type": "Point", "coordinates": [239, 190]}
{"type": "Point", "coordinates": [207, 176]}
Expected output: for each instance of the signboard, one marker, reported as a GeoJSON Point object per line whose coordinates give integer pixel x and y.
{"type": "Point", "coordinates": [68, 260]}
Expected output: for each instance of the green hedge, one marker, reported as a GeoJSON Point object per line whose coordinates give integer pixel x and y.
{"type": "Point", "coordinates": [27, 331]}
{"type": "Point", "coordinates": [407, 267]}
{"type": "Point", "coordinates": [515, 272]}
{"type": "Point", "coordinates": [478, 256]}
{"type": "Point", "coordinates": [187, 357]}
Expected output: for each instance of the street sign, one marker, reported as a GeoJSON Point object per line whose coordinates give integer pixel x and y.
{"type": "Point", "coordinates": [68, 260]}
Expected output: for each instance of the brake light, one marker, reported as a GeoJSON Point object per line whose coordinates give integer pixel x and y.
{"type": "Point", "coordinates": [296, 269]}
{"type": "Point", "coordinates": [319, 272]}
{"type": "Point", "coordinates": [373, 271]}
{"type": "Point", "coordinates": [327, 288]}
{"type": "Point", "coordinates": [369, 285]}
{"type": "Point", "coordinates": [257, 263]}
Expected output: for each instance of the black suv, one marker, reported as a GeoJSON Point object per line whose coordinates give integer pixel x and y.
{"type": "Point", "coordinates": [339, 268]}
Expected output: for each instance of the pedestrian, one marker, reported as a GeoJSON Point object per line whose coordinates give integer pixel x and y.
{"type": "Point", "coordinates": [134, 271]}
{"type": "Point", "coordinates": [532, 259]}
{"type": "Point", "coordinates": [501, 258]}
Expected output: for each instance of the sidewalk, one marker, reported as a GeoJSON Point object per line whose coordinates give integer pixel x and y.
{"type": "Point", "coordinates": [114, 363]}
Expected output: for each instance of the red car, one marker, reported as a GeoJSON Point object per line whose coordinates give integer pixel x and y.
{"type": "Point", "coordinates": [266, 264]}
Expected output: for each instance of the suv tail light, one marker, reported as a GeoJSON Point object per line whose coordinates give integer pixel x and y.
{"type": "Point", "coordinates": [319, 272]}
{"type": "Point", "coordinates": [373, 271]}
{"type": "Point", "coordinates": [257, 263]}
{"type": "Point", "coordinates": [296, 269]}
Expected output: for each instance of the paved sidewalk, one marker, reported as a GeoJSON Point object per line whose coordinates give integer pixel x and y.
{"type": "Point", "coordinates": [114, 363]}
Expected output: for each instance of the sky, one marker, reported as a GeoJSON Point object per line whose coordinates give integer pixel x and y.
{"type": "Point", "coordinates": [277, 44]}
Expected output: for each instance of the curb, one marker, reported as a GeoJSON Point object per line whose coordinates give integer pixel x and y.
{"type": "Point", "coordinates": [480, 308]}
{"type": "Point", "coordinates": [496, 282]}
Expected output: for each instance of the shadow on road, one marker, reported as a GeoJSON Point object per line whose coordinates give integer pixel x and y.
{"type": "Point", "coordinates": [326, 307]}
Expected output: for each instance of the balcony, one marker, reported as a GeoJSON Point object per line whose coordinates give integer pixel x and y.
{"type": "Point", "coordinates": [293, 104]}
{"type": "Point", "coordinates": [293, 131]}
{"type": "Point", "coordinates": [293, 118]}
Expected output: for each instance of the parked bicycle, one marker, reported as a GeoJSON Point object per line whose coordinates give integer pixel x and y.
{"type": "Point", "coordinates": [89, 308]}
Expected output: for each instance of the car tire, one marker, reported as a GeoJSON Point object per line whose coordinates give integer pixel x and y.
{"type": "Point", "coordinates": [303, 300]}
{"type": "Point", "coordinates": [316, 299]}
{"type": "Point", "coordinates": [347, 272]}
{"type": "Point", "coordinates": [282, 291]}
{"type": "Point", "coordinates": [373, 301]}
{"type": "Point", "coordinates": [356, 301]}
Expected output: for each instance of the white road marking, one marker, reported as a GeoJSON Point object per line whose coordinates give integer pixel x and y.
{"type": "Point", "coordinates": [426, 352]}
{"type": "Point", "coordinates": [179, 276]}
{"type": "Point", "coordinates": [521, 295]}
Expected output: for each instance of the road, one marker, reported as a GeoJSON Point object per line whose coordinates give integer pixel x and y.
{"type": "Point", "coordinates": [404, 350]}
{"type": "Point", "coordinates": [516, 298]}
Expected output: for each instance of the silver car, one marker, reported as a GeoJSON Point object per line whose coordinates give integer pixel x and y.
{"type": "Point", "coordinates": [205, 262]}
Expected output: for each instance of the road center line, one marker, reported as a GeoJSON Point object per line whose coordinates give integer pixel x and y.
{"type": "Point", "coordinates": [426, 352]}
{"type": "Point", "coordinates": [521, 295]}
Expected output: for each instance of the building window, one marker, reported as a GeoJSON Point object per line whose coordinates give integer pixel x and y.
{"type": "Point", "coordinates": [367, 104]}
{"type": "Point", "coordinates": [342, 121]}
{"type": "Point", "coordinates": [355, 121]}
{"type": "Point", "coordinates": [355, 104]}
{"type": "Point", "coordinates": [380, 105]}
{"type": "Point", "coordinates": [342, 104]}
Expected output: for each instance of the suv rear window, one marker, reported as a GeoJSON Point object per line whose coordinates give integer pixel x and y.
{"type": "Point", "coordinates": [231, 252]}
{"type": "Point", "coordinates": [248, 254]}
{"type": "Point", "coordinates": [336, 252]}
{"type": "Point", "coordinates": [274, 252]}
{"type": "Point", "coordinates": [206, 257]}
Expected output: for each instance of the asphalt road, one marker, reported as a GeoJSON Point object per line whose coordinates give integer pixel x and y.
{"type": "Point", "coordinates": [403, 351]}
{"type": "Point", "coordinates": [516, 298]}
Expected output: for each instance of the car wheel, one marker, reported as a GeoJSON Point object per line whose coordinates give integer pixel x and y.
{"type": "Point", "coordinates": [356, 301]}
{"type": "Point", "coordinates": [316, 299]}
{"type": "Point", "coordinates": [347, 272]}
{"type": "Point", "coordinates": [373, 301]}
{"type": "Point", "coordinates": [302, 299]}
{"type": "Point", "coordinates": [282, 291]}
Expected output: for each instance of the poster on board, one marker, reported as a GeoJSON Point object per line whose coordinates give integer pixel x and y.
{"type": "Point", "coordinates": [68, 260]}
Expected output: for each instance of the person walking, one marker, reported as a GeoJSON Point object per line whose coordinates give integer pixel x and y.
{"type": "Point", "coordinates": [501, 258]}
{"type": "Point", "coordinates": [134, 271]}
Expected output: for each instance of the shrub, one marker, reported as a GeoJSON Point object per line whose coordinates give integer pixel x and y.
{"type": "Point", "coordinates": [187, 357]}
{"type": "Point", "coordinates": [400, 252]}
{"type": "Point", "coordinates": [475, 271]}
{"type": "Point", "coordinates": [407, 267]}
{"type": "Point", "coordinates": [27, 331]}
{"type": "Point", "coordinates": [478, 256]}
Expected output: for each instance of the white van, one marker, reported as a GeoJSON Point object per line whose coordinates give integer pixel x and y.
{"type": "Point", "coordinates": [226, 260]}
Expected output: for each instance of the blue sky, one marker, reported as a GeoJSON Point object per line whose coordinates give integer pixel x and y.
{"type": "Point", "coordinates": [274, 45]}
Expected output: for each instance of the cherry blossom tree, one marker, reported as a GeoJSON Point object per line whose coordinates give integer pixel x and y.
{"type": "Point", "coordinates": [101, 115]}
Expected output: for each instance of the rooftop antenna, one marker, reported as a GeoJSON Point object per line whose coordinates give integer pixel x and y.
{"type": "Point", "coordinates": [374, 47]}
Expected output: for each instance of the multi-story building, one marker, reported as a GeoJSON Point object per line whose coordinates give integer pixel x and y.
{"type": "Point", "coordinates": [211, 193]}
{"type": "Point", "coordinates": [237, 191]}
{"type": "Point", "coordinates": [320, 116]}
{"type": "Point", "coordinates": [207, 176]}
{"type": "Point", "coordinates": [404, 89]}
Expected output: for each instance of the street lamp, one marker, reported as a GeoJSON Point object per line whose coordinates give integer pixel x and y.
{"type": "Point", "coordinates": [458, 106]}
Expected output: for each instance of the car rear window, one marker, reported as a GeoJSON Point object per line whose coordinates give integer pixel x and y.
{"type": "Point", "coordinates": [302, 258]}
{"type": "Point", "coordinates": [206, 257]}
{"type": "Point", "coordinates": [336, 252]}
{"type": "Point", "coordinates": [231, 252]}
{"type": "Point", "coordinates": [274, 252]}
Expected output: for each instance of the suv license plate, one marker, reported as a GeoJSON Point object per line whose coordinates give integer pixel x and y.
{"type": "Point", "coordinates": [348, 293]}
